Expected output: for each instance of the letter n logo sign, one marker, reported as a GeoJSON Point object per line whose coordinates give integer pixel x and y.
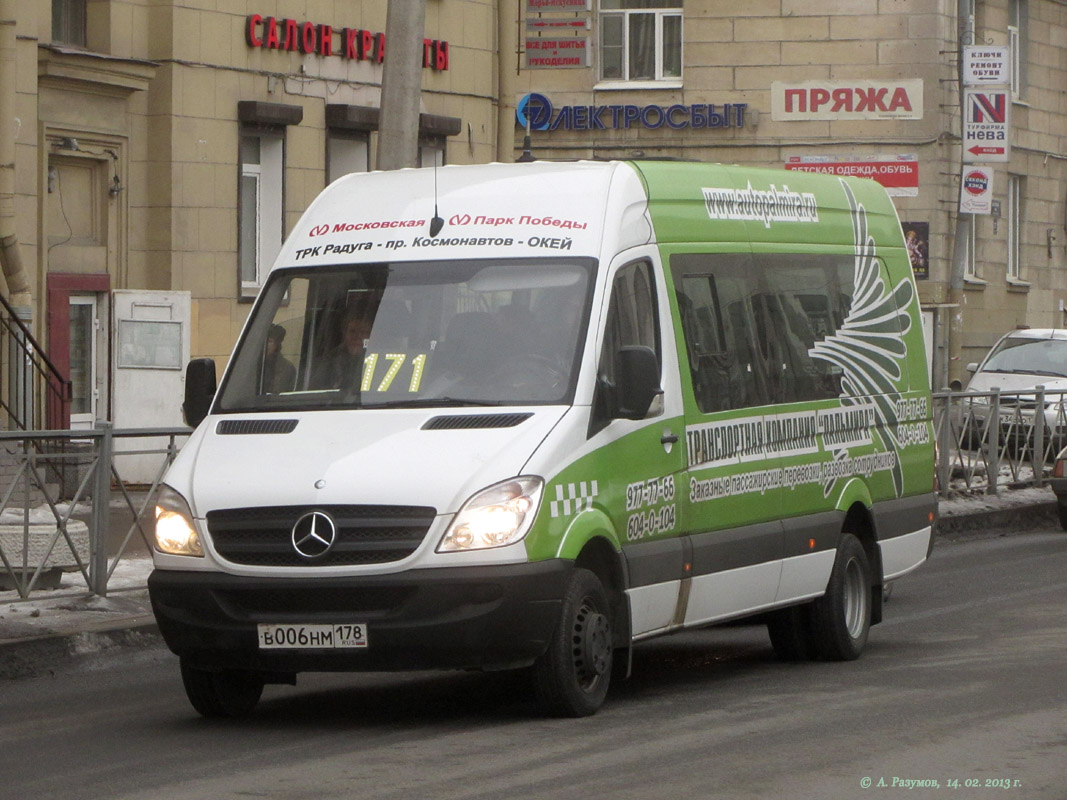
{"type": "Point", "coordinates": [989, 107]}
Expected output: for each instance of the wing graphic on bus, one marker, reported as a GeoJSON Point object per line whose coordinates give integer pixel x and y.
{"type": "Point", "coordinates": [869, 347]}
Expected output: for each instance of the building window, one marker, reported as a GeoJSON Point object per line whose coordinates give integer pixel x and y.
{"type": "Point", "coordinates": [970, 264]}
{"type": "Point", "coordinates": [346, 153]}
{"type": "Point", "coordinates": [68, 22]}
{"type": "Point", "coordinates": [1015, 227]}
{"type": "Point", "coordinates": [431, 152]}
{"type": "Point", "coordinates": [1017, 39]}
{"type": "Point", "coordinates": [640, 40]}
{"type": "Point", "coordinates": [259, 207]}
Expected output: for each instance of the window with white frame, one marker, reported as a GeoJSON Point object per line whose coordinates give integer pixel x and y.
{"type": "Point", "coordinates": [970, 264]}
{"type": "Point", "coordinates": [1018, 13]}
{"type": "Point", "coordinates": [260, 206]}
{"type": "Point", "coordinates": [1015, 227]}
{"type": "Point", "coordinates": [640, 40]}
{"type": "Point", "coordinates": [68, 22]}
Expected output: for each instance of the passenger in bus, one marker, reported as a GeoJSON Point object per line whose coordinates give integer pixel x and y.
{"type": "Point", "coordinates": [279, 374]}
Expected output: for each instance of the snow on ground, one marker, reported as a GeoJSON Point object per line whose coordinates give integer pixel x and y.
{"type": "Point", "coordinates": [72, 607]}
{"type": "Point", "coordinates": [1004, 499]}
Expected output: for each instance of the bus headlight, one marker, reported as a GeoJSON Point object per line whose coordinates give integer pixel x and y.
{"type": "Point", "coordinates": [175, 532]}
{"type": "Point", "coordinates": [494, 517]}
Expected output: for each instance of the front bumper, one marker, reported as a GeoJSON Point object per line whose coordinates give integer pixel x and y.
{"type": "Point", "coordinates": [453, 618]}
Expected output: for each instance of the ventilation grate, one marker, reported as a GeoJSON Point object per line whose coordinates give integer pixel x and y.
{"type": "Point", "coordinates": [239, 427]}
{"type": "Point", "coordinates": [469, 421]}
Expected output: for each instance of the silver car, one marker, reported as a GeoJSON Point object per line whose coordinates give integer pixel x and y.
{"type": "Point", "coordinates": [1018, 364]}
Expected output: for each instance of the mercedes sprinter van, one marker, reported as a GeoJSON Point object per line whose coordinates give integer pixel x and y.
{"type": "Point", "coordinates": [522, 416]}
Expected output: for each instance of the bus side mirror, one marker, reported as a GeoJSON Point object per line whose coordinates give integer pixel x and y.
{"type": "Point", "coordinates": [638, 381]}
{"type": "Point", "coordinates": [200, 385]}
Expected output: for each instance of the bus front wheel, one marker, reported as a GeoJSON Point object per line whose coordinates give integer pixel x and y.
{"type": "Point", "coordinates": [571, 678]}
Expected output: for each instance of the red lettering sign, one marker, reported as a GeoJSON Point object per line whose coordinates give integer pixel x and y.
{"type": "Point", "coordinates": [311, 38]}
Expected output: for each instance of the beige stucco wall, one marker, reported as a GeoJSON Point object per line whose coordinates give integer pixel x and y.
{"type": "Point", "coordinates": [733, 52]}
{"type": "Point", "coordinates": [174, 124]}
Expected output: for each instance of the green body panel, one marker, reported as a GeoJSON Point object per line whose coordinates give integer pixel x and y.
{"type": "Point", "coordinates": [871, 444]}
{"type": "Point", "coordinates": [597, 495]}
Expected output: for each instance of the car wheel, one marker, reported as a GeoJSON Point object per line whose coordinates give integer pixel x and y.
{"type": "Point", "coordinates": [842, 617]}
{"type": "Point", "coordinates": [227, 693]}
{"type": "Point", "coordinates": [571, 678]}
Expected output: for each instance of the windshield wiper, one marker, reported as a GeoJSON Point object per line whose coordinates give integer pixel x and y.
{"type": "Point", "coordinates": [433, 402]}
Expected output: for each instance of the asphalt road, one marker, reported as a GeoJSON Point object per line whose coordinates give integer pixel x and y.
{"type": "Point", "coordinates": [964, 681]}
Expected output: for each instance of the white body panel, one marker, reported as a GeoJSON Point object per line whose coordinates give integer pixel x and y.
{"type": "Point", "coordinates": [373, 457]}
{"type": "Point", "coordinates": [723, 595]}
{"type": "Point", "coordinates": [903, 554]}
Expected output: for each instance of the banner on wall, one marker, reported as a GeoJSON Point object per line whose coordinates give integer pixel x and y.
{"type": "Point", "coordinates": [917, 240]}
{"type": "Point", "coordinates": [846, 100]}
{"type": "Point", "coordinates": [899, 173]}
{"type": "Point", "coordinates": [552, 6]}
{"type": "Point", "coordinates": [553, 53]}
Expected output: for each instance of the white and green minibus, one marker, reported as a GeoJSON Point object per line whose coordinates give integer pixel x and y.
{"type": "Point", "coordinates": [524, 416]}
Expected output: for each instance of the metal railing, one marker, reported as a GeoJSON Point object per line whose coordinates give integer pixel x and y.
{"type": "Point", "coordinates": [988, 441]}
{"type": "Point", "coordinates": [70, 526]}
{"type": "Point", "coordinates": [35, 394]}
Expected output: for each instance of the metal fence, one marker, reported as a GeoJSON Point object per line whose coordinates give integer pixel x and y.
{"type": "Point", "coordinates": [65, 507]}
{"type": "Point", "coordinates": [989, 441]}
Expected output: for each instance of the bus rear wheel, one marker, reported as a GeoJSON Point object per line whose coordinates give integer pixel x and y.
{"type": "Point", "coordinates": [841, 618]}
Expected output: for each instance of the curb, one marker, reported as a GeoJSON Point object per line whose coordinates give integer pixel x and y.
{"type": "Point", "coordinates": [1000, 522]}
{"type": "Point", "coordinates": [47, 653]}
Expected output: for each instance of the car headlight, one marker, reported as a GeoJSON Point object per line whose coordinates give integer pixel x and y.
{"type": "Point", "coordinates": [175, 532]}
{"type": "Point", "coordinates": [494, 517]}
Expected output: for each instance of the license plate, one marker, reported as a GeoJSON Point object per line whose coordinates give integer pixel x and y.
{"type": "Point", "coordinates": [311, 637]}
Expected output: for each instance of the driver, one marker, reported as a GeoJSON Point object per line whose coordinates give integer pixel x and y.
{"type": "Point", "coordinates": [342, 368]}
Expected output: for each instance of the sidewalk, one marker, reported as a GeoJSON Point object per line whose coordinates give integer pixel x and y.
{"type": "Point", "coordinates": [59, 627]}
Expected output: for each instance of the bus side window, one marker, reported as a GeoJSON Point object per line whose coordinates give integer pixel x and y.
{"type": "Point", "coordinates": [632, 320]}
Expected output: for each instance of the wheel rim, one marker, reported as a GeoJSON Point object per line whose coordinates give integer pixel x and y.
{"type": "Point", "coordinates": [855, 597]}
{"type": "Point", "coordinates": [591, 641]}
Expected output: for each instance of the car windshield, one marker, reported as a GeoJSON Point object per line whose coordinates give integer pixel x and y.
{"type": "Point", "coordinates": [433, 334]}
{"type": "Point", "coordinates": [1029, 356]}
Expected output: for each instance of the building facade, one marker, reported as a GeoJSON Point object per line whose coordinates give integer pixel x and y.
{"type": "Point", "coordinates": [163, 149]}
{"type": "Point", "coordinates": [866, 87]}
{"type": "Point", "coordinates": [155, 152]}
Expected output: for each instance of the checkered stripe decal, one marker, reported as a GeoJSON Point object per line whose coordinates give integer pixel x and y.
{"type": "Point", "coordinates": [573, 497]}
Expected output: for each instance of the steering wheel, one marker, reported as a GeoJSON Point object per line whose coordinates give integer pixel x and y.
{"type": "Point", "coordinates": [533, 371]}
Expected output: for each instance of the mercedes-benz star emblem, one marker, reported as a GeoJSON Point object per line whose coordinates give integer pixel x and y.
{"type": "Point", "coordinates": [314, 535]}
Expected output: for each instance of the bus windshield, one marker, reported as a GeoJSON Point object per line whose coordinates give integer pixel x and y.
{"type": "Point", "coordinates": [431, 334]}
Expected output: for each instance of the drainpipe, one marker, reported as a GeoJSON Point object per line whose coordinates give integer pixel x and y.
{"type": "Point", "coordinates": [20, 388]}
{"type": "Point", "coordinates": [961, 242]}
{"type": "Point", "coordinates": [18, 283]}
